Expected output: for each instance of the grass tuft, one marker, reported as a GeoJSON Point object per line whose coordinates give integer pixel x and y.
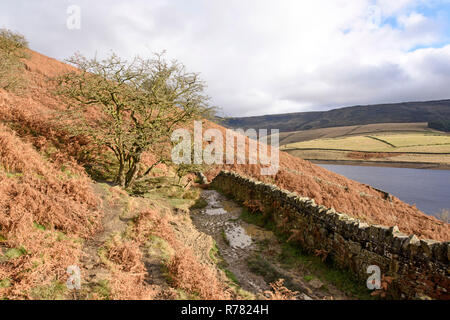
{"type": "Point", "coordinates": [53, 291]}
{"type": "Point", "coordinates": [199, 204]}
{"type": "Point", "coordinates": [292, 256]}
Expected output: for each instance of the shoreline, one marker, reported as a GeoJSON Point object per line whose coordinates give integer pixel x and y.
{"type": "Point", "coordinates": [391, 164]}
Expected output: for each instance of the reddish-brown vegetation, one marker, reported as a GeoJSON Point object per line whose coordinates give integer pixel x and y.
{"type": "Point", "coordinates": [34, 192]}
{"type": "Point", "coordinates": [184, 267]}
{"type": "Point", "coordinates": [344, 195]}
{"type": "Point", "coordinates": [46, 205]}
{"type": "Point", "coordinates": [371, 155]}
{"type": "Point", "coordinates": [51, 197]}
{"type": "Point", "coordinates": [280, 292]}
{"type": "Point", "coordinates": [128, 272]}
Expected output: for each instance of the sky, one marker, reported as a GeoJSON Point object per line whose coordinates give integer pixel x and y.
{"type": "Point", "coordinates": [259, 56]}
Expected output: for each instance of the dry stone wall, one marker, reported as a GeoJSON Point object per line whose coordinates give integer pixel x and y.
{"type": "Point", "coordinates": [414, 268]}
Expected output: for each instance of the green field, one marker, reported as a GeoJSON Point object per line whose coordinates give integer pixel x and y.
{"type": "Point", "coordinates": [397, 142]}
{"type": "Point", "coordinates": [408, 145]}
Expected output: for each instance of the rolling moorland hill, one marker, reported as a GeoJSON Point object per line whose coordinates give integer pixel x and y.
{"type": "Point", "coordinates": [407, 112]}
{"type": "Point", "coordinates": [52, 212]}
{"type": "Point", "coordinates": [359, 130]}
{"type": "Point", "coordinates": [389, 144]}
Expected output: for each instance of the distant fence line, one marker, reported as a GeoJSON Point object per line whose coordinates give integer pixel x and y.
{"type": "Point", "coordinates": [349, 150]}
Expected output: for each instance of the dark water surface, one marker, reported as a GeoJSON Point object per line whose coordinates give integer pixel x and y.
{"type": "Point", "coordinates": [429, 190]}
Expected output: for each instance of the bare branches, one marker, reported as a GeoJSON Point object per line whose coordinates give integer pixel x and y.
{"type": "Point", "coordinates": [132, 107]}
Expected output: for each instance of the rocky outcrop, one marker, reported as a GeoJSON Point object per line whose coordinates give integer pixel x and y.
{"type": "Point", "coordinates": [415, 268]}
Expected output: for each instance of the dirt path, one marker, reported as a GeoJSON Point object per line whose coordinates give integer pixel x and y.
{"type": "Point", "coordinates": [93, 271]}
{"type": "Point", "coordinates": [251, 253]}
{"type": "Point", "coordinates": [220, 219]}
{"type": "Point", "coordinates": [118, 210]}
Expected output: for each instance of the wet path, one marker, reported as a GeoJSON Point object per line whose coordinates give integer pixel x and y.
{"type": "Point", "coordinates": [220, 219]}
{"type": "Point", "coordinates": [251, 253]}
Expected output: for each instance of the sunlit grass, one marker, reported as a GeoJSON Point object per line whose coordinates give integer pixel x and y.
{"type": "Point", "coordinates": [408, 142]}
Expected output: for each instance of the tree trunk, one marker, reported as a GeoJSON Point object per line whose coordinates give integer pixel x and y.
{"type": "Point", "coordinates": [120, 179]}
{"type": "Point", "coordinates": [132, 173]}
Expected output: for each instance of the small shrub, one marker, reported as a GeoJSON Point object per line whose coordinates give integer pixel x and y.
{"type": "Point", "coordinates": [254, 206]}
{"type": "Point", "coordinates": [280, 292]}
{"type": "Point", "coordinates": [13, 43]}
{"type": "Point", "coordinates": [126, 256]}
{"type": "Point", "coordinates": [199, 204]}
{"type": "Point", "coordinates": [192, 194]}
{"type": "Point", "coordinates": [12, 49]}
{"type": "Point", "coordinates": [444, 215]}
{"type": "Point", "coordinates": [267, 270]}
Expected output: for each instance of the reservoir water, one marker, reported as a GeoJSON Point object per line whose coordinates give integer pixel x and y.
{"type": "Point", "coordinates": [429, 190]}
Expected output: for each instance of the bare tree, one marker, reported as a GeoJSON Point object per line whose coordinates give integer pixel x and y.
{"type": "Point", "coordinates": [131, 107]}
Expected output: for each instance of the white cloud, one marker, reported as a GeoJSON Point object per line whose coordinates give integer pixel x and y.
{"type": "Point", "coordinates": [260, 56]}
{"type": "Point", "coordinates": [390, 7]}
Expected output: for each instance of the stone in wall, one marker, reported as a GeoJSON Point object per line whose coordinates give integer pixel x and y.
{"type": "Point", "coordinates": [419, 267]}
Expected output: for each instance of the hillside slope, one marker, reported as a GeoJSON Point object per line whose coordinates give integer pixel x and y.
{"type": "Point", "coordinates": [28, 115]}
{"type": "Point", "coordinates": [407, 112]}
{"type": "Point", "coordinates": [53, 214]}
{"type": "Point", "coordinates": [348, 131]}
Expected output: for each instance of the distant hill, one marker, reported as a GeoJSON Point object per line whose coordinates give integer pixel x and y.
{"type": "Point", "coordinates": [359, 130]}
{"type": "Point", "coordinates": [407, 112]}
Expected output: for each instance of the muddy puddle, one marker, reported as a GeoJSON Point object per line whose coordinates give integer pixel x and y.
{"type": "Point", "coordinates": [220, 219]}
{"type": "Point", "coordinates": [249, 252]}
